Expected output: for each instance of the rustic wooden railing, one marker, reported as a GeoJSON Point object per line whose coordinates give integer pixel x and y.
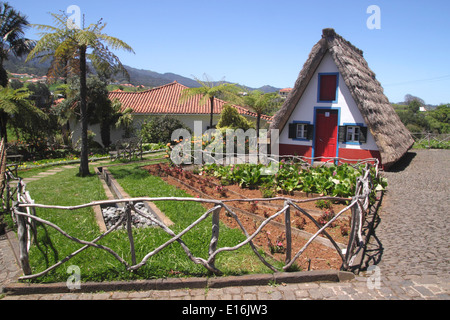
{"type": "Point", "coordinates": [24, 209]}
{"type": "Point", "coordinates": [427, 137]}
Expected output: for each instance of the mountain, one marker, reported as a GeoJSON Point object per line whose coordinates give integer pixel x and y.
{"type": "Point", "coordinates": [137, 76]}
{"type": "Point", "coordinates": [154, 79]}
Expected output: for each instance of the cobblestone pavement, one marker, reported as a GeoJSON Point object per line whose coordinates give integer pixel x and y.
{"type": "Point", "coordinates": [409, 250]}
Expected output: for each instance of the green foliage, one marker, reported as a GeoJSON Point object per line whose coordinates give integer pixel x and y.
{"type": "Point", "coordinates": [435, 121]}
{"type": "Point", "coordinates": [432, 144]}
{"type": "Point", "coordinates": [209, 91]}
{"type": "Point", "coordinates": [17, 111]}
{"type": "Point", "coordinates": [159, 129]}
{"type": "Point", "coordinates": [439, 119]}
{"type": "Point", "coordinates": [323, 204]}
{"type": "Point", "coordinates": [12, 41]}
{"type": "Point", "coordinates": [100, 109]}
{"type": "Point", "coordinates": [230, 118]}
{"type": "Point", "coordinates": [338, 181]}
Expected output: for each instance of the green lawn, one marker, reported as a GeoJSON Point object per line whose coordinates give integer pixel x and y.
{"type": "Point", "coordinates": [66, 189]}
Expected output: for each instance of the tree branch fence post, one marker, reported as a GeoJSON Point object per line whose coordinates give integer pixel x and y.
{"type": "Point", "coordinates": [214, 234]}
{"type": "Point", "coordinates": [130, 232]}
{"type": "Point", "coordinates": [287, 221]}
{"type": "Point", "coordinates": [22, 234]}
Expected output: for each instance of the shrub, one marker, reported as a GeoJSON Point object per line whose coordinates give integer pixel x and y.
{"type": "Point", "coordinates": [159, 129]}
{"type": "Point", "coordinates": [230, 118]}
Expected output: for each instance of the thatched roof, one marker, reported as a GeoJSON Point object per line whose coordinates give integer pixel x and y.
{"type": "Point", "coordinates": [391, 136]}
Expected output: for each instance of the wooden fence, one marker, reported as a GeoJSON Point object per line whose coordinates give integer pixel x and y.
{"type": "Point", "coordinates": [24, 210]}
{"type": "Point", "coordinates": [427, 138]}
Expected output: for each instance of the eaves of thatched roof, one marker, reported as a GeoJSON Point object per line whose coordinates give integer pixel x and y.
{"type": "Point", "coordinates": [391, 136]}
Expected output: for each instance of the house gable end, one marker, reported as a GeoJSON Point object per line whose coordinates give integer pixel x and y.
{"type": "Point", "coordinates": [391, 137]}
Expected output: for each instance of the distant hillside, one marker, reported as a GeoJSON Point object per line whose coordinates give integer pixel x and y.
{"type": "Point", "coordinates": [137, 76]}
{"type": "Point", "coordinates": [154, 79]}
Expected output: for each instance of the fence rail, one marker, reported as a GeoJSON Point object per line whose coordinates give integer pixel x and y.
{"type": "Point", "coordinates": [428, 138]}
{"type": "Point", "coordinates": [24, 210]}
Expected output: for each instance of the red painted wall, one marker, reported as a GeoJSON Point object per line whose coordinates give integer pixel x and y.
{"type": "Point", "coordinates": [352, 154]}
{"type": "Point", "coordinates": [295, 150]}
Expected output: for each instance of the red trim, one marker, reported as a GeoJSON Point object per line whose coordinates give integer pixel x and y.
{"type": "Point", "coordinates": [357, 154]}
{"type": "Point", "coordinates": [351, 154]}
{"type": "Point", "coordinates": [295, 150]}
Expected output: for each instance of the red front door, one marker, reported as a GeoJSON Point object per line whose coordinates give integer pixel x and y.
{"type": "Point", "coordinates": [326, 134]}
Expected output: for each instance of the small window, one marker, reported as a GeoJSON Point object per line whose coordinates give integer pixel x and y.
{"type": "Point", "coordinates": [353, 134]}
{"type": "Point", "coordinates": [328, 87]}
{"type": "Point", "coordinates": [301, 131]}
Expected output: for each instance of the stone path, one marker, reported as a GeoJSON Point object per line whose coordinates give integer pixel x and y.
{"type": "Point", "coordinates": [410, 249]}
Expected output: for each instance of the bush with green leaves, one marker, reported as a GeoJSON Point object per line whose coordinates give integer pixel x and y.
{"type": "Point", "coordinates": [159, 129]}
{"type": "Point", "coordinates": [231, 119]}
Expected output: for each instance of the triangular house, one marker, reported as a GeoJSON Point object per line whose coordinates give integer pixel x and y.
{"type": "Point", "coordinates": [337, 108]}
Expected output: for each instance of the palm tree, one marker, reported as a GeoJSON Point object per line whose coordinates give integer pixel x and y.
{"type": "Point", "coordinates": [258, 101]}
{"type": "Point", "coordinates": [80, 44]}
{"type": "Point", "coordinates": [12, 41]}
{"type": "Point", "coordinates": [209, 91]}
{"type": "Point", "coordinates": [16, 106]}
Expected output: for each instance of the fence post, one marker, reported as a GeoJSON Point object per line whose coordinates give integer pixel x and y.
{"type": "Point", "coordinates": [23, 243]}
{"type": "Point", "coordinates": [214, 233]}
{"type": "Point", "coordinates": [429, 140]}
{"type": "Point", "coordinates": [130, 233]}
{"type": "Point", "coordinates": [349, 254]}
{"type": "Point", "coordinates": [287, 220]}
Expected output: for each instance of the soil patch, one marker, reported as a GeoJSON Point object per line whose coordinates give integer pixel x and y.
{"type": "Point", "coordinates": [251, 214]}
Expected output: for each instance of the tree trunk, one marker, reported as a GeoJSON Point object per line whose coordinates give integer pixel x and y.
{"type": "Point", "coordinates": [212, 113]}
{"type": "Point", "coordinates": [105, 133]}
{"type": "Point", "coordinates": [84, 165]}
{"type": "Point", "coordinates": [3, 115]}
{"type": "Point", "coordinates": [258, 123]}
{"type": "Point", "coordinates": [3, 123]}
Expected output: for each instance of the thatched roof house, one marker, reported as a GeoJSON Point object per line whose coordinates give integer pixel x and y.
{"type": "Point", "coordinates": [337, 108]}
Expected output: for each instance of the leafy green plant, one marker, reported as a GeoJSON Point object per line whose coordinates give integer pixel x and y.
{"type": "Point", "coordinates": [338, 181]}
{"type": "Point", "coordinates": [324, 204]}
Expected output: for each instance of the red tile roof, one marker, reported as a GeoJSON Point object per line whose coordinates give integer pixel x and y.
{"type": "Point", "coordinates": [165, 100]}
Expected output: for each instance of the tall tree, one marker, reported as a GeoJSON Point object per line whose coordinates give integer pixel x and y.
{"type": "Point", "coordinates": [210, 90]}
{"type": "Point", "coordinates": [259, 102]}
{"type": "Point", "coordinates": [12, 41]}
{"type": "Point", "coordinates": [81, 44]}
{"type": "Point", "coordinates": [100, 109]}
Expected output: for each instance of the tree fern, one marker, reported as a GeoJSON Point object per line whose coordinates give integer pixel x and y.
{"type": "Point", "coordinates": [79, 44]}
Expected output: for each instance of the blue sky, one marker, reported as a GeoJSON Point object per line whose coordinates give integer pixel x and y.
{"type": "Point", "coordinates": [262, 42]}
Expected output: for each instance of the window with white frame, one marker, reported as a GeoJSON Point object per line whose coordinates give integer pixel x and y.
{"type": "Point", "coordinates": [353, 133]}
{"type": "Point", "coordinates": [302, 131]}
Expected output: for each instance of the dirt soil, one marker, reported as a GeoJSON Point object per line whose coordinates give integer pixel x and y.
{"type": "Point", "coordinates": [251, 214]}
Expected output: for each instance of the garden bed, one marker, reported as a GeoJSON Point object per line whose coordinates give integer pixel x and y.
{"type": "Point", "coordinates": [320, 255]}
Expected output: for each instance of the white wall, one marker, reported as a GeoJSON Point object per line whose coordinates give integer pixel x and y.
{"type": "Point", "coordinates": [349, 112]}
{"type": "Point", "coordinates": [117, 134]}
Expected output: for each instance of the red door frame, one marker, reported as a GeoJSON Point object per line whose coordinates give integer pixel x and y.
{"type": "Point", "coordinates": [326, 142]}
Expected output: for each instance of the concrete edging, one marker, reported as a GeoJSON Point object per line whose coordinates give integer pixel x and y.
{"type": "Point", "coordinates": [182, 283]}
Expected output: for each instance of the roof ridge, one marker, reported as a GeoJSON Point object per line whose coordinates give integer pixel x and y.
{"type": "Point", "coordinates": [330, 34]}
{"type": "Point", "coordinates": [152, 89]}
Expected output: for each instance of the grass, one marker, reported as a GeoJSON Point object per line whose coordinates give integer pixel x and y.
{"type": "Point", "coordinates": [66, 189]}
